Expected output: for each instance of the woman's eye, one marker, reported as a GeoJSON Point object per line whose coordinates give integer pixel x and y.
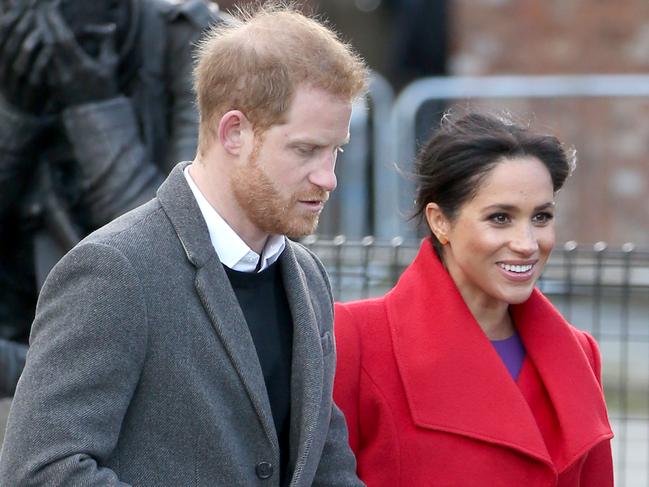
{"type": "Point", "coordinates": [542, 218]}
{"type": "Point", "coordinates": [499, 218]}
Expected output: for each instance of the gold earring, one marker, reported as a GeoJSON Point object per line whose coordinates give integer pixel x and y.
{"type": "Point", "coordinates": [442, 239]}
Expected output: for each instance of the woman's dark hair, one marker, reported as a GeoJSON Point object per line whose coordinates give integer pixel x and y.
{"type": "Point", "coordinates": [453, 163]}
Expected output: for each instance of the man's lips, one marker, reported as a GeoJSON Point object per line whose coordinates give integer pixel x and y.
{"type": "Point", "coordinates": [313, 201]}
{"type": "Point", "coordinates": [314, 205]}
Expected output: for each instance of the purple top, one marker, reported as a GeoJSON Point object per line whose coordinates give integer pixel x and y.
{"type": "Point", "coordinates": [512, 353]}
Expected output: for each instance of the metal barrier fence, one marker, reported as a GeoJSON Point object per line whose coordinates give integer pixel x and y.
{"type": "Point", "coordinates": [551, 100]}
{"type": "Point", "coordinates": [352, 206]}
{"type": "Point", "coordinates": [599, 289]}
{"type": "Point", "coordinates": [372, 197]}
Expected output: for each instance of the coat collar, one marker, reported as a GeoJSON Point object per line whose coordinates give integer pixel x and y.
{"type": "Point", "coordinates": [221, 305]}
{"type": "Point", "coordinates": [215, 292]}
{"type": "Point", "coordinates": [567, 375]}
{"type": "Point", "coordinates": [179, 204]}
{"type": "Point", "coordinates": [455, 381]}
{"type": "Point", "coordinates": [306, 371]}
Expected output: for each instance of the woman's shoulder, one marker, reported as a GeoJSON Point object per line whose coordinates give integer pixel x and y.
{"type": "Point", "coordinates": [360, 313]}
{"type": "Point", "coordinates": [589, 346]}
{"type": "Point", "coordinates": [360, 324]}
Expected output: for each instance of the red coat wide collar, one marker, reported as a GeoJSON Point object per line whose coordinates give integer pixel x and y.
{"type": "Point", "coordinates": [456, 382]}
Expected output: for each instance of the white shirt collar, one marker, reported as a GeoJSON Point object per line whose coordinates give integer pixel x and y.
{"type": "Point", "coordinates": [233, 252]}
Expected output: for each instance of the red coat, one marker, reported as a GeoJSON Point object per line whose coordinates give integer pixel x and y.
{"type": "Point", "coordinates": [429, 402]}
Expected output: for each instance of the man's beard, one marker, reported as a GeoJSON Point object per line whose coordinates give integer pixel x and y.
{"type": "Point", "coordinates": [265, 206]}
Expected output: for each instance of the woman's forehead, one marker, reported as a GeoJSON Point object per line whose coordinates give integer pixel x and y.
{"type": "Point", "coordinates": [511, 178]}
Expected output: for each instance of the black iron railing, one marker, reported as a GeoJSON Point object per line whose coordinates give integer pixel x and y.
{"type": "Point", "coordinates": [600, 289]}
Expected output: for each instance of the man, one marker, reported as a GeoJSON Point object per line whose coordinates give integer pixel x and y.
{"type": "Point", "coordinates": [189, 342]}
{"type": "Point", "coordinates": [95, 109]}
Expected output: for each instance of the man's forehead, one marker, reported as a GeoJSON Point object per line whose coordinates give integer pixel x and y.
{"type": "Point", "coordinates": [305, 137]}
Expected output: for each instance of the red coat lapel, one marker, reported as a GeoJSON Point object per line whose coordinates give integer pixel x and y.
{"type": "Point", "coordinates": [456, 382]}
{"type": "Point", "coordinates": [567, 375]}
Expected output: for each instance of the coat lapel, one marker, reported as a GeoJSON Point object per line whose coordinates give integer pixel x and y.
{"type": "Point", "coordinates": [216, 294]}
{"type": "Point", "coordinates": [453, 377]}
{"type": "Point", "coordinates": [307, 368]}
{"type": "Point", "coordinates": [439, 346]}
{"type": "Point", "coordinates": [578, 402]}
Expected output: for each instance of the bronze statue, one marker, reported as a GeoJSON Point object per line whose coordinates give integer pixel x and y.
{"type": "Point", "coordinates": [95, 108]}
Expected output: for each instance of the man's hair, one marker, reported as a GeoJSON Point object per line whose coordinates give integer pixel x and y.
{"type": "Point", "coordinates": [255, 62]}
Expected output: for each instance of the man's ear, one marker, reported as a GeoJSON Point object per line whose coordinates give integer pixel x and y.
{"type": "Point", "coordinates": [232, 129]}
{"type": "Point", "coordinates": [437, 222]}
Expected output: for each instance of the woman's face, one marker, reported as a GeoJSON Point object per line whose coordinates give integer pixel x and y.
{"type": "Point", "coordinates": [500, 240]}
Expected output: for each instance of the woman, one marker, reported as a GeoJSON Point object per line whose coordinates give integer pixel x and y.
{"type": "Point", "coordinates": [464, 374]}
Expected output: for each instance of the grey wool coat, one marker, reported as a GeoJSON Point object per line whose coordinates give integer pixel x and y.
{"type": "Point", "coordinates": [142, 370]}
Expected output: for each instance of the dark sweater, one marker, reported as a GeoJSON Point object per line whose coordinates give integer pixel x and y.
{"type": "Point", "coordinates": [262, 298]}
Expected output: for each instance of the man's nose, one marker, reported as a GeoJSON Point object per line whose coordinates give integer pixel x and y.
{"type": "Point", "coordinates": [323, 175]}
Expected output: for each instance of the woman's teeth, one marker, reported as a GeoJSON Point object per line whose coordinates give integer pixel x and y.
{"type": "Point", "coordinates": [517, 268]}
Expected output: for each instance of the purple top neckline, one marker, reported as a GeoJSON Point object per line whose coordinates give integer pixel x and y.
{"type": "Point", "coordinates": [512, 353]}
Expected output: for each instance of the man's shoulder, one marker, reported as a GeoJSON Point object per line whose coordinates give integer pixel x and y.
{"type": "Point", "coordinates": [140, 224]}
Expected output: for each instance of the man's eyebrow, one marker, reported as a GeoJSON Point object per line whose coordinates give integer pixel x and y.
{"type": "Point", "coordinates": [315, 142]}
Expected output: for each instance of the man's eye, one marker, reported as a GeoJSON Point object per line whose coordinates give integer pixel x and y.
{"type": "Point", "coordinates": [305, 150]}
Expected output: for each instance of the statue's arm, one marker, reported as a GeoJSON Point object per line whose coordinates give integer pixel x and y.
{"type": "Point", "coordinates": [18, 132]}
{"type": "Point", "coordinates": [188, 23]}
{"type": "Point", "coordinates": [12, 363]}
{"type": "Point", "coordinates": [116, 173]}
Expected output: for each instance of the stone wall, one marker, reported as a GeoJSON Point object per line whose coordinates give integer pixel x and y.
{"type": "Point", "coordinates": [548, 36]}
{"type": "Point", "coordinates": [607, 198]}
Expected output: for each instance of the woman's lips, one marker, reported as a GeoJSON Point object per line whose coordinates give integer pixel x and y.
{"type": "Point", "coordinates": [519, 271]}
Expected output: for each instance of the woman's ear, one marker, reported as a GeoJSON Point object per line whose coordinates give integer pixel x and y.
{"type": "Point", "coordinates": [437, 222]}
{"type": "Point", "coordinates": [231, 131]}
